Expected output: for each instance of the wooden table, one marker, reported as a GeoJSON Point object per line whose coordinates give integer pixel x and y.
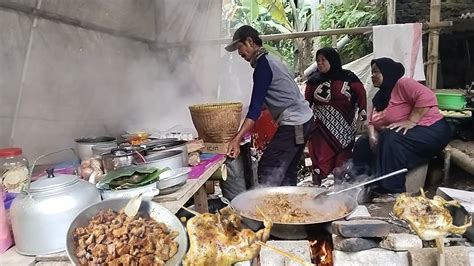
{"type": "Point", "coordinates": [194, 187]}
{"type": "Point", "coordinates": [173, 202]}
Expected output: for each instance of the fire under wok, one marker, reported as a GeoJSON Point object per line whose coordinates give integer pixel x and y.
{"type": "Point", "coordinates": [292, 210]}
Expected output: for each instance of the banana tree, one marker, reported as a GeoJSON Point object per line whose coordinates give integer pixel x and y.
{"type": "Point", "coordinates": [273, 16]}
{"type": "Point", "coordinates": [288, 16]}
{"type": "Point", "coordinates": [248, 12]}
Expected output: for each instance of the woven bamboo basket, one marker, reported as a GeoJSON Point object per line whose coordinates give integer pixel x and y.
{"type": "Point", "coordinates": [216, 122]}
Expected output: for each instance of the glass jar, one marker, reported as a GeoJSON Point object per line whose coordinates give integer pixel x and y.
{"type": "Point", "coordinates": [14, 171]}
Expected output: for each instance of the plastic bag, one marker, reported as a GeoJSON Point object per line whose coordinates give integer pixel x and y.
{"type": "Point", "coordinates": [6, 240]}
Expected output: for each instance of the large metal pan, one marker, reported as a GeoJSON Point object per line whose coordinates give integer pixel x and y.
{"type": "Point", "coordinates": [153, 209]}
{"type": "Point", "coordinates": [245, 205]}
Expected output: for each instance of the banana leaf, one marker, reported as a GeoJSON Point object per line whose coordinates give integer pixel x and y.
{"type": "Point", "coordinates": [124, 172]}
{"type": "Point", "coordinates": [148, 179]}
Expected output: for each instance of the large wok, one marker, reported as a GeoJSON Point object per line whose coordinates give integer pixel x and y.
{"type": "Point", "coordinates": [245, 205]}
{"type": "Point", "coordinates": [150, 208]}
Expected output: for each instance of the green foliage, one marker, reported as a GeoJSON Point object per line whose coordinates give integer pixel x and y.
{"type": "Point", "coordinates": [350, 15]}
{"type": "Point", "coordinates": [272, 17]}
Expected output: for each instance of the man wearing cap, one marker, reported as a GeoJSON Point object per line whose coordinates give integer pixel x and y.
{"type": "Point", "coordinates": [275, 89]}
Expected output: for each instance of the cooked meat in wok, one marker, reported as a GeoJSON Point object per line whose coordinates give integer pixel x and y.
{"type": "Point", "coordinates": [428, 217]}
{"type": "Point", "coordinates": [112, 238]}
{"type": "Point", "coordinates": [219, 239]}
{"type": "Point", "coordinates": [296, 208]}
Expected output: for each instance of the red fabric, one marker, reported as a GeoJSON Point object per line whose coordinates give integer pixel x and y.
{"type": "Point", "coordinates": [407, 94]}
{"type": "Point", "coordinates": [323, 156]}
{"type": "Point", "coordinates": [264, 130]}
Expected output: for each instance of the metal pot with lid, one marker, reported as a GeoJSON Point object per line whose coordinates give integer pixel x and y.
{"type": "Point", "coordinates": [84, 145]}
{"type": "Point", "coordinates": [42, 213]}
{"type": "Point", "coordinates": [170, 145]}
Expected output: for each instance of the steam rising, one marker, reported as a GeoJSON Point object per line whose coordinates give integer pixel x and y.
{"type": "Point", "coordinates": [83, 83]}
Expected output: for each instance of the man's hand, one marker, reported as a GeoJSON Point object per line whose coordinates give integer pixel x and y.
{"type": "Point", "coordinates": [404, 125]}
{"type": "Point", "coordinates": [233, 150]}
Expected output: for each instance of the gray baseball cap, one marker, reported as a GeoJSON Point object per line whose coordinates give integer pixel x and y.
{"type": "Point", "coordinates": [240, 35]}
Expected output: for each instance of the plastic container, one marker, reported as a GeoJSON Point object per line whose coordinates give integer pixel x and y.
{"type": "Point", "coordinates": [451, 100]}
{"type": "Point", "coordinates": [6, 240]}
{"type": "Point", "coordinates": [14, 171]}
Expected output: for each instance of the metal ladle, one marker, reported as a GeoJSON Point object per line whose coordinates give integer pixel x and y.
{"type": "Point", "coordinates": [331, 193]}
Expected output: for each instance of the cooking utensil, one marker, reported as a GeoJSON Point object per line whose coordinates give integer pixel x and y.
{"type": "Point", "coordinates": [131, 209]}
{"type": "Point", "coordinates": [148, 192]}
{"type": "Point", "coordinates": [172, 159]}
{"type": "Point", "coordinates": [173, 177]}
{"type": "Point", "coordinates": [227, 202]}
{"type": "Point", "coordinates": [149, 208]}
{"type": "Point", "coordinates": [319, 196]}
{"type": "Point", "coordinates": [170, 145]}
{"type": "Point", "coordinates": [84, 145]}
{"type": "Point", "coordinates": [120, 157]}
{"type": "Point", "coordinates": [245, 205]}
{"type": "Point", "coordinates": [41, 214]}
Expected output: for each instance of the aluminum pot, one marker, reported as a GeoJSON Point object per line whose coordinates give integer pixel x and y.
{"type": "Point", "coordinates": [171, 145]}
{"type": "Point", "coordinates": [149, 208]}
{"type": "Point", "coordinates": [42, 214]}
{"type": "Point", "coordinates": [160, 160]}
{"type": "Point", "coordinates": [245, 203]}
{"type": "Point", "coordinates": [84, 145]}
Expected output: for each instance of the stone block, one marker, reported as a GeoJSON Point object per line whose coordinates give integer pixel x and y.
{"type": "Point", "coordinates": [354, 244]}
{"type": "Point", "coordinates": [361, 228]}
{"type": "Point", "coordinates": [360, 211]}
{"type": "Point", "coordinates": [415, 178]}
{"type": "Point", "coordinates": [401, 242]}
{"type": "Point", "coordinates": [371, 257]}
{"type": "Point", "coordinates": [301, 249]}
{"type": "Point", "coordinates": [454, 256]}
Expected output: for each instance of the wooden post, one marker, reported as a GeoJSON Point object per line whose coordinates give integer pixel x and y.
{"type": "Point", "coordinates": [433, 43]}
{"type": "Point", "coordinates": [391, 11]}
{"type": "Point", "coordinates": [334, 37]}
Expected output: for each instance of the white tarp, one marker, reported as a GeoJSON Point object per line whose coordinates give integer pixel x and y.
{"type": "Point", "coordinates": [80, 82]}
{"type": "Point", "coordinates": [361, 67]}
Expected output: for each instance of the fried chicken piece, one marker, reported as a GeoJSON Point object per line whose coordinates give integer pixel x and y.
{"type": "Point", "coordinates": [90, 240]}
{"type": "Point", "coordinates": [80, 231]}
{"type": "Point", "coordinates": [119, 232]}
{"type": "Point", "coordinates": [100, 250]}
{"type": "Point", "coordinates": [115, 239]}
{"type": "Point", "coordinates": [146, 260]}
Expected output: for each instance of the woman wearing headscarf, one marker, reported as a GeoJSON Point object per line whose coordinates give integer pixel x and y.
{"type": "Point", "coordinates": [405, 126]}
{"type": "Point", "coordinates": [335, 95]}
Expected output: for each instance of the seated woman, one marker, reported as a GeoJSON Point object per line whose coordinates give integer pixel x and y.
{"type": "Point", "coordinates": [405, 127]}
{"type": "Point", "coordinates": [335, 95]}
